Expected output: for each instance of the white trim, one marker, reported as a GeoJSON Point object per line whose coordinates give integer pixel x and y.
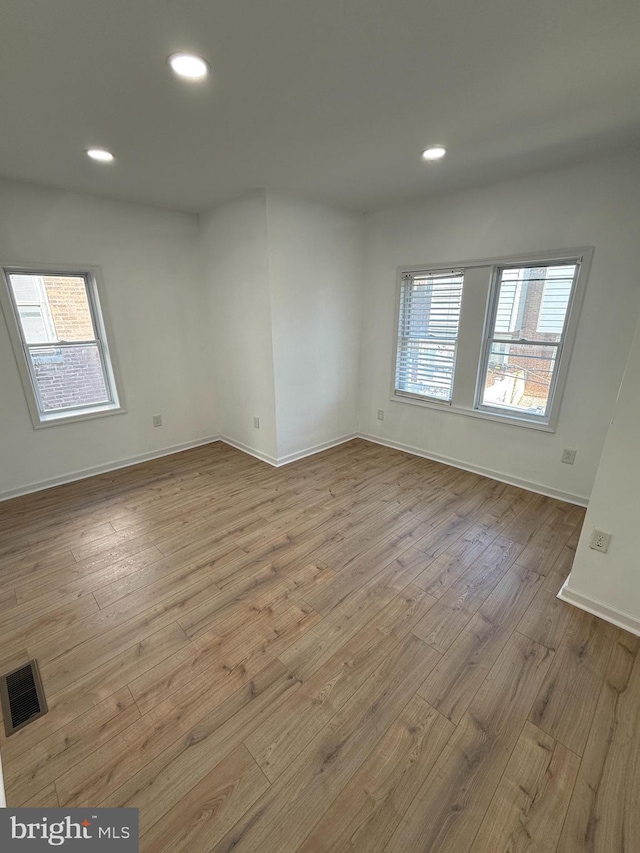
{"type": "Point", "coordinates": [598, 608]}
{"type": "Point", "coordinates": [70, 416]}
{"type": "Point", "coordinates": [167, 451]}
{"type": "Point", "coordinates": [3, 801]}
{"type": "Point", "coordinates": [553, 255]}
{"type": "Point", "coordinates": [280, 461]}
{"type": "Point", "coordinates": [105, 468]}
{"type": "Point", "coordinates": [98, 308]}
{"type": "Point", "coordinates": [465, 403]}
{"type": "Point", "coordinates": [473, 413]}
{"type": "Point", "coordinates": [258, 454]}
{"type": "Point", "coordinates": [317, 448]}
{"type": "Point", "coordinates": [539, 488]}
{"type": "Point", "coordinates": [564, 347]}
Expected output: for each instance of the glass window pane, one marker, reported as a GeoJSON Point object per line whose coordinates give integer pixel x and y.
{"type": "Point", "coordinates": [533, 302]}
{"type": "Point", "coordinates": [69, 307]}
{"type": "Point", "coordinates": [519, 377]}
{"type": "Point", "coordinates": [63, 305]}
{"type": "Point", "coordinates": [68, 376]}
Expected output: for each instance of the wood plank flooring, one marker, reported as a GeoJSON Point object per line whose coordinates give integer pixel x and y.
{"type": "Point", "coordinates": [361, 651]}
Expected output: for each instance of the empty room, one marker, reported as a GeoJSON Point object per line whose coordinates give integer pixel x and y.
{"type": "Point", "coordinates": [319, 418]}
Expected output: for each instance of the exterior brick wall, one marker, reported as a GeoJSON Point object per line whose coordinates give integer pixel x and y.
{"type": "Point", "coordinates": [69, 376]}
{"type": "Point", "coordinates": [69, 310]}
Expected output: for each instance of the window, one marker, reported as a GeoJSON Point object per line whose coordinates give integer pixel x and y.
{"type": "Point", "coordinates": [427, 333]}
{"type": "Point", "coordinates": [60, 344]}
{"type": "Point", "coordinates": [525, 338]}
{"type": "Point", "coordinates": [492, 338]}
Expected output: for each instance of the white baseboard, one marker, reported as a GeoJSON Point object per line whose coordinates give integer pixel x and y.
{"type": "Point", "coordinates": [258, 454]}
{"type": "Point", "coordinates": [317, 448]}
{"type": "Point", "coordinates": [579, 500]}
{"type": "Point", "coordinates": [105, 468]}
{"type": "Point", "coordinates": [286, 460]}
{"type": "Point", "coordinates": [290, 457]}
{"type": "Point", "coordinates": [167, 451]}
{"type": "Point", "coordinates": [599, 608]}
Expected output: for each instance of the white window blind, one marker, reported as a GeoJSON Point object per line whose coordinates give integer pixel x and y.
{"type": "Point", "coordinates": [428, 323]}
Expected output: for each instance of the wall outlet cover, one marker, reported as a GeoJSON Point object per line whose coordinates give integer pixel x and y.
{"type": "Point", "coordinates": [256, 423]}
{"type": "Point", "coordinates": [569, 456]}
{"type": "Point", "coordinates": [157, 420]}
{"type": "Point", "coordinates": [380, 414]}
{"type": "Point", "coordinates": [600, 540]}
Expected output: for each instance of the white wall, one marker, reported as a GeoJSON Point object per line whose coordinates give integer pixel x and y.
{"type": "Point", "coordinates": [236, 275]}
{"type": "Point", "coordinates": [594, 204]}
{"type": "Point", "coordinates": [259, 301]}
{"type": "Point", "coordinates": [315, 273]}
{"type": "Point", "coordinates": [609, 584]}
{"type": "Point", "coordinates": [154, 295]}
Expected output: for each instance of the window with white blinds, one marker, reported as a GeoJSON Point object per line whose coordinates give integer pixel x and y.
{"type": "Point", "coordinates": [500, 354]}
{"type": "Point", "coordinates": [428, 323]}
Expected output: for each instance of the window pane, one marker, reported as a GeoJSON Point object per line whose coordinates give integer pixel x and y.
{"type": "Point", "coordinates": [533, 302]}
{"type": "Point", "coordinates": [426, 369]}
{"type": "Point", "coordinates": [68, 376]}
{"type": "Point", "coordinates": [519, 377]}
{"type": "Point", "coordinates": [427, 334]}
{"type": "Point", "coordinates": [62, 303]}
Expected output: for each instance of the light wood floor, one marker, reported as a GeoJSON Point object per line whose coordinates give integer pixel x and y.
{"type": "Point", "coordinates": [360, 651]}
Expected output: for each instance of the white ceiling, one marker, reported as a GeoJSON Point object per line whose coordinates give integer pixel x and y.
{"type": "Point", "coordinates": [332, 98]}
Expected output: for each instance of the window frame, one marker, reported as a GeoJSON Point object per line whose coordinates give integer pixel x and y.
{"type": "Point", "coordinates": [556, 386]}
{"type": "Point", "coordinates": [92, 276]}
{"type": "Point", "coordinates": [470, 355]}
{"type": "Point", "coordinates": [412, 275]}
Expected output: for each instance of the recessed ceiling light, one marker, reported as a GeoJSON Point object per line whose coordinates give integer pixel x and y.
{"type": "Point", "coordinates": [100, 154]}
{"type": "Point", "coordinates": [189, 66]}
{"type": "Point", "coordinates": [434, 152]}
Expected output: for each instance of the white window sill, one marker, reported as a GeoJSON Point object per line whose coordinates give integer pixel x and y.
{"type": "Point", "coordinates": [59, 418]}
{"type": "Point", "coordinates": [496, 417]}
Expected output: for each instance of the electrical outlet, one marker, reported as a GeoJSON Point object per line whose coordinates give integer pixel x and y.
{"type": "Point", "coordinates": [256, 423]}
{"type": "Point", "coordinates": [600, 541]}
{"type": "Point", "coordinates": [157, 420]}
{"type": "Point", "coordinates": [380, 414]}
{"type": "Point", "coordinates": [569, 456]}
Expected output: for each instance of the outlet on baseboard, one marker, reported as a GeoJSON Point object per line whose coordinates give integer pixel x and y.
{"type": "Point", "coordinates": [157, 420]}
{"type": "Point", "coordinates": [380, 414]}
{"type": "Point", "coordinates": [569, 456]}
{"type": "Point", "coordinates": [256, 423]}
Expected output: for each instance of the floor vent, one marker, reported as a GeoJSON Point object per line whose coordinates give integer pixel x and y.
{"type": "Point", "coordinates": [22, 697]}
